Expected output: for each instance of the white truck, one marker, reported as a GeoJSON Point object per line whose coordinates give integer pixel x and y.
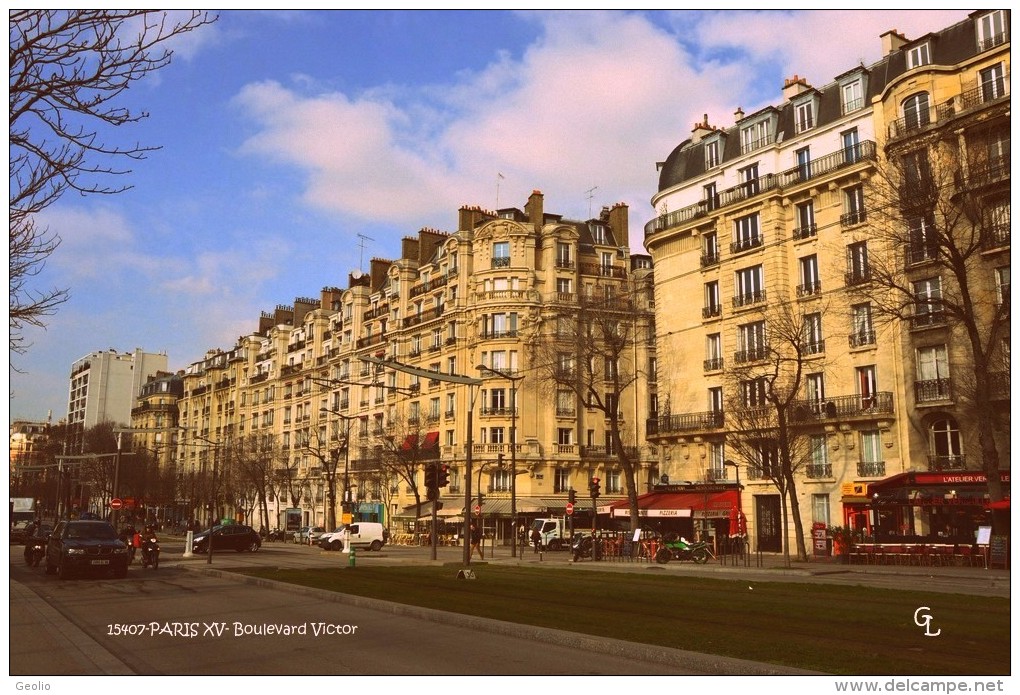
{"type": "Point", "coordinates": [555, 533]}
{"type": "Point", "coordinates": [22, 514]}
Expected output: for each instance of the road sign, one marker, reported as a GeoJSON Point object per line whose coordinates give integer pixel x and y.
{"type": "Point", "coordinates": [570, 508]}
{"type": "Point", "coordinates": [478, 510]}
{"type": "Point", "coordinates": [116, 503]}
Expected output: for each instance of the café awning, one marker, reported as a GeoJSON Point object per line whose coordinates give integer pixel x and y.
{"type": "Point", "coordinates": [704, 505]}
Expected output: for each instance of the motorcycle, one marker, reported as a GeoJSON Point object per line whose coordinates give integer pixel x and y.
{"type": "Point", "coordinates": [679, 548]}
{"type": "Point", "coordinates": [277, 535]}
{"type": "Point", "coordinates": [150, 552]}
{"type": "Point", "coordinates": [586, 547]}
{"type": "Point", "coordinates": [35, 551]}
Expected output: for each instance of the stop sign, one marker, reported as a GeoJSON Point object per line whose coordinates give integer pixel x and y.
{"type": "Point", "coordinates": [478, 510]}
{"type": "Point", "coordinates": [116, 503]}
{"type": "Point", "coordinates": [570, 508]}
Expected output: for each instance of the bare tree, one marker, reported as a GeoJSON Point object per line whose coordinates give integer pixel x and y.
{"type": "Point", "coordinates": [68, 69]}
{"type": "Point", "coordinates": [767, 409]}
{"type": "Point", "coordinates": [938, 260]}
{"type": "Point", "coordinates": [255, 457]}
{"type": "Point", "coordinates": [589, 351]}
{"type": "Point", "coordinates": [402, 452]}
{"type": "Point", "coordinates": [326, 449]}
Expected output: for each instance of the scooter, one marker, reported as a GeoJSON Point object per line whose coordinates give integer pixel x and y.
{"type": "Point", "coordinates": [585, 547]}
{"type": "Point", "coordinates": [150, 552]}
{"type": "Point", "coordinates": [679, 548]}
{"type": "Point", "coordinates": [276, 535]}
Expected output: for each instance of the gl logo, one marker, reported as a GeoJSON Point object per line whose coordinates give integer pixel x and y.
{"type": "Point", "coordinates": [923, 619]}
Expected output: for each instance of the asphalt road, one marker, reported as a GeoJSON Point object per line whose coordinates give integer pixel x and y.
{"type": "Point", "coordinates": [181, 620]}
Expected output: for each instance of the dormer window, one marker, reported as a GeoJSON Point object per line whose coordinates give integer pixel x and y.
{"type": "Point", "coordinates": [754, 136]}
{"type": "Point", "coordinates": [851, 96]}
{"type": "Point", "coordinates": [918, 55]}
{"type": "Point", "coordinates": [804, 116]}
{"type": "Point", "coordinates": [992, 30]}
{"type": "Point", "coordinates": [711, 154]}
{"type": "Point", "coordinates": [598, 233]}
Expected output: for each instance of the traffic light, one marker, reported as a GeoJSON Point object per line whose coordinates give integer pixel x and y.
{"type": "Point", "coordinates": [595, 488]}
{"type": "Point", "coordinates": [444, 475]}
{"type": "Point", "coordinates": [572, 496]}
{"type": "Point", "coordinates": [430, 476]}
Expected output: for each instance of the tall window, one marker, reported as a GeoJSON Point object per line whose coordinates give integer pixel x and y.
{"type": "Point", "coordinates": [993, 82]}
{"type": "Point", "coordinates": [713, 352]}
{"type": "Point", "coordinates": [746, 232]}
{"type": "Point", "coordinates": [809, 280]}
{"type": "Point", "coordinates": [861, 327]}
{"type": "Point", "coordinates": [754, 136]}
{"type": "Point", "coordinates": [917, 177]}
{"type": "Point", "coordinates": [819, 466]}
{"type": "Point", "coordinates": [927, 302]}
{"type": "Point", "coordinates": [852, 96]}
{"type": "Point", "coordinates": [715, 399]}
{"type": "Point", "coordinates": [820, 508]}
{"type": "Point", "coordinates": [501, 254]}
{"type": "Point", "coordinates": [871, 454]}
{"type": "Point", "coordinates": [750, 286]}
{"type": "Point", "coordinates": [1002, 285]}
{"type": "Point", "coordinates": [992, 30]}
{"type": "Point", "coordinates": [751, 343]}
{"type": "Point", "coordinates": [814, 383]}
{"type": "Point", "coordinates": [711, 154]}
{"type": "Point", "coordinates": [710, 196]}
{"type": "Point", "coordinates": [709, 249]}
{"type": "Point", "coordinates": [867, 385]}
{"type": "Point", "coordinates": [918, 56]}
{"type": "Point", "coordinates": [933, 382]}
{"type": "Point", "coordinates": [804, 116]}
{"type": "Point", "coordinates": [853, 206]}
{"type": "Point", "coordinates": [561, 481]}
{"type": "Point", "coordinates": [713, 303]}
{"type": "Point", "coordinates": [804, 163]}
{"type": "Point", "coordinates": [753, 392]}
{"type": "Point", "coordinates": [916, 113]}
{"type": "Point", "coordinates": [851, 145]}
{"type": "Point", "coordinates": [924, 243]}
{"type": "Point", "coordinates": [805, 213]}
{"type": "Point", "coordinates": [716, 460]}
{"type": "Point", "coordinates": [857, 269]}
{"type": "Point", "coordinates": [565, 403]}
{"type": "Point", "coordinates": [946, 447]}
{"type": "Point", "coordinates": [812, 332]}
{"type": "Point", "coordinates": [563, 256]}
{"type": "Point", "coordinates": [749, 178]}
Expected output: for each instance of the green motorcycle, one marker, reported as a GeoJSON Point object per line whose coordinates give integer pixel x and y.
{"type": "Point", "coordinates": [679, 548]}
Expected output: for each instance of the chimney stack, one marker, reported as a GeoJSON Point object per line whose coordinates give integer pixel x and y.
{"type": "Point", "coordinates": [738, 114]}
{"type": "Point", "coordinates": [794, 86]}
{"type": "Point", "coordinates": [892, 41]}
{"type": "Point", "coordinates": [701, 130]}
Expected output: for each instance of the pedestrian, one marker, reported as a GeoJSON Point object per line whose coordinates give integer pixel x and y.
{"type": "Point", "coordinates": [536, 539]}
{"type": "Point", "coordinates": [476, 540]}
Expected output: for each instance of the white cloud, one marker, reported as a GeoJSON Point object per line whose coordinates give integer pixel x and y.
{"type": "Point", "coordinates": [595, 100]}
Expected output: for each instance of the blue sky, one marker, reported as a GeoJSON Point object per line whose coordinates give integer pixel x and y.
{"type": "Point", "coordinates": [286, 134]}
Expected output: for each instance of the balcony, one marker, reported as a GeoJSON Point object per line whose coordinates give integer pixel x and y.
{"type": "Point", "coordinates": [433, 284]}
{"type": "Point", "coordinates": [842, 407]}
{"type": "Point", "coordinates": [857, 277]}
{"type": "Point", "coordinates": [815, 348]}
{"type": "Point", "coordinates": [428, 315]}
{"type": "Point", "coordinates": [871, 469]}
{"type": "Point", "coordinates": [954, 462]}
{"type": "Point", "coordinates": [713, 364]}
{"type": "Point", "coordinates": [933, 390]}
{"type": "Point", "coordinates": [685, 423]}
{"type": "Point", "coordinates": [917, 254]}
{"type": "Point", "coordinates": [606, 271]}
{"type": "Point", "coordinates": [754, 354]}
{"type": "Point", "coordinates": [818, 470]}
{"type": "Point", "coordinates": [752, 242]}
{"type": "Point", "coordinates": [805, 232]}
{"type": "Point", "coordinates": [748, 299]}
{"type": "Point", "coordinates": [862, 338]}
{"type": "Point", "coordinates": [709, 258]}
{"type": "Point", "coordinates": [501, 262]}
{"type": "Point", "coordinates": [809, 289]}
{"type": "Point", "coordinates": [845, 157]}
{"type": "Point", "coordinates": [852, 219]}
{"type": "Point", "coordinates": [928, 319]}
{"type": "Point", "coordinates": [564, 263]}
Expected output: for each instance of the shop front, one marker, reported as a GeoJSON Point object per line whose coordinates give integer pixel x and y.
{"type": "Point", "coordinates": [918, 507]}
{"type": "Point", "coordinates": [706, 512]}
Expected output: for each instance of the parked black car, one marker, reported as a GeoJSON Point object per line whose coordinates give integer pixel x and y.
{"type": "Point", "coordinates": [85, 546]}
{"type": "Point", "coordinates": [233, 537]}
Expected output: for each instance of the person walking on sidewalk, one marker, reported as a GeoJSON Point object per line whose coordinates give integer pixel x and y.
{"type": "Point", "coordinates": [476, 540]}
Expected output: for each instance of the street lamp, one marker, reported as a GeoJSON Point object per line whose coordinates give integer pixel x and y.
{"type": "Point", "coordinates": [513, 449]}
{"type": "Point", "coordinates": [212, 503]}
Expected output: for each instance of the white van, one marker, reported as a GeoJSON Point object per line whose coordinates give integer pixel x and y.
{"type": "Point", "coordinates": [365, 534]}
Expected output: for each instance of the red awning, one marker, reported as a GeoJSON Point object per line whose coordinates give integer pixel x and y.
{"type": "Point", "coordinates": [1001, 504]}
{"type": "Point", "coordinates": [680, 504]}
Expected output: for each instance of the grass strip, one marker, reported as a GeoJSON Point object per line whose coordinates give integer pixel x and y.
{"type": "Point", "coordinates": [822, 627]}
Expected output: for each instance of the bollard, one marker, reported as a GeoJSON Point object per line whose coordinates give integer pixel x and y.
{"type": "Point", "coordinates": [352, 558]}
{"type": "Point", "coordinates": [187, 544]}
